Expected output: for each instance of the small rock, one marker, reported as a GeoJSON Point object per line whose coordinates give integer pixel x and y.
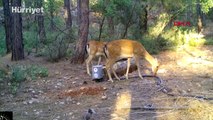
{"type": "Point", "coordinates": [104, 97]}
{"type": "Point", "coordinates": [57, 73]}
{"type": "Point", "coordinates": [183, 92]}
{"type": "Point", "coordinates": [37, 113]}
{"type": "Point", "coordinates": [189, 90]}
{"type": "Point", "coordinates": [33, 100]}
{"type": "Point", "coordinates": [61, 103]}
{"type": "Point", "coordinates": [57, 118]}
{"type": "Point", "coordinates": [78, 103]}
{"type": "Point", "coordinates": [2, 94]}
{"type": "Point", "coordinates": [25, 113]}
{"type": "Point", "coordinates": [59, 84]}
{"type": "Point", "coordinates": [25, 102]}
{"type": "Point", "coordinates": [71, 113]}
{"type": "Point", "coordinates": [69, 99]}
{"type": "Point", "coordinates": [198, 84]}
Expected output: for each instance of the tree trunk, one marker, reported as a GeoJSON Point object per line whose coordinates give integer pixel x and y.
{"type": "Point", "coordinates": [199, 17]}
{"type": "Point", "coordinates": [41, 28]}
{"type": "Point", "coordinates": [79, 54]}
{"type": "Point", "coordinates": [51, 10]}
{"type": "Point", "coordinates": [143, 20]}
{"type": "Point", "coordinates": [8, 23]}
{"type": "Point", "coordinates": [17, 40]}
{"type": "Point", "coordinates": [128, 23]}
{"type": "Point", "coordinates": [111, 29]}
{"type": "Point", "coordinates": [101, 28]}
{"type": "Point", "coordinates": [125, 31]}
{"type": "Point", "coordinates": [68, 16]}
{"type": "Point", "coordinates": [79, 12]}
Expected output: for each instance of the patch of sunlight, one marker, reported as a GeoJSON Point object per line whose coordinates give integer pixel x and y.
{"type": "Point", "coordinates": [193, 110]}
{"type": "Point", "coordinates": [163, 19]}
{"type": "Point", "coordinates": [122, 106]}
{"type": "Point", "coordinates": [196, 62]}
{"type": "Point", "coordinates": [194, 39]}
{"type": "Point", "coordinates": [193, 56]}
{"type": "Point", "coordinates": [176, 38]}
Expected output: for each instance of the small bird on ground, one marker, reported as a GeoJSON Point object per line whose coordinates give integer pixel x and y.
{"type": "Point", "coordinates": [89, 115]}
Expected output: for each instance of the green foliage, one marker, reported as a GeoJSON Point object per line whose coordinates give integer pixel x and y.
{"type": "Point", "coordinates": [209, 41]}
{"type": "Point", "coordinates": [20, 73]}
{"type": "Point", "coordinates": [57, 49]}
{"type": "Point", "coordinates": [2, 75]}
{"type": "Point", "coordinates": [206, 5]}
{"type": "Point", "coordinates": [2, 42]}
{"type": "Point", "coordinates": [151, 45]}
{"type": "Point", "coordinates": [30, 40]}
{"type": "Point", "coordinates": [1, 3]}
{"type": "Point", "coordinates": [53, 5]}
{"type": "Point", "coordinates": [176, 37]}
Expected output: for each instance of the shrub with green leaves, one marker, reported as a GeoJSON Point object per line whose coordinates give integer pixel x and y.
{"type": "Point", "coordinates": [2, 42]}
{"type": "Point", "coordinates": [57, 49]}
{"type": "Point", "coordinates": [20, 73]}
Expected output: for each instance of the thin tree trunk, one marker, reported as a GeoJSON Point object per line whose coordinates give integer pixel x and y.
{"type": "Point", "coordinates": [41, 28]}
{"type": "Point", "coordinates": [68, 16]}
{"type": "Point", "coordinates": [143, 20]}
{"type": "Point", "coordinates": [101, 28]}
{"type": "Point", "coordinates": [125, 30]}
{"type": "Point", "coordinates": [79, 12]}
{"type": "Point", "coordinates": [128, 24]}
{"type": "Point", "coordinates": [51, 10]}
{"type": "Point", "coordinates": [111, 27]}
{"type": "Point", "coordinates": [17, 40]}
{"type": "Point", "coordinates": [8, 23]}
{"type": "Point", "coordinates": [79, 54]}
{"type": "Point", "coordinates": [199, 17]}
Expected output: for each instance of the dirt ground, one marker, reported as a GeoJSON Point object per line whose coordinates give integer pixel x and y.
{"type": "Point", "coordinates": [68, 92]}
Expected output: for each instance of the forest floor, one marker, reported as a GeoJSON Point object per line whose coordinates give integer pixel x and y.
{"type": "Point", "coordinates": [68, 92]}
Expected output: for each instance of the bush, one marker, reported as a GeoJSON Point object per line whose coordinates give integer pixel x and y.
{"type": "Point", "coordinates": [57, 49]}
{"type": "Point", "coordinates": [30, 40]}
{"type": "Point", "coordinates": [20, 73]}
{"type": "Point", "coordinates": [151, 45]}
{"type": "Point", "coordinates": [209, 41]}
{"type": "Point", "coordinates": [2, 42]}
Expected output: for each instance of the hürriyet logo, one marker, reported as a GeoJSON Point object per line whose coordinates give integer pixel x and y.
{"type": "Point", "coordinates": [18, 9]}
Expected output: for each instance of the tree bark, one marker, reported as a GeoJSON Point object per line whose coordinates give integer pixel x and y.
{"type": "Point", "coordinates": [143, 20]}
{"type": "Point", "coordinates": [79, 12]}
{"type": "Point", "coordinates": [68, 16]}
{"type": "Point", "coordinates": [101, 28]}
{"type": "Point", "coordinates": [79, 54]}
{"type": "Point", "coordinates": [51, 10]}
{"type": "Point", "coordinates": [17, 39]}
{"type": "Point", "coordinates": [7, 25]}
{"type": "Point", "coordinates": [111, 27]}
{"type": "Point", "coordinates": [199, 17]}
{"type": "Point", "coordinates": [40, 20]}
